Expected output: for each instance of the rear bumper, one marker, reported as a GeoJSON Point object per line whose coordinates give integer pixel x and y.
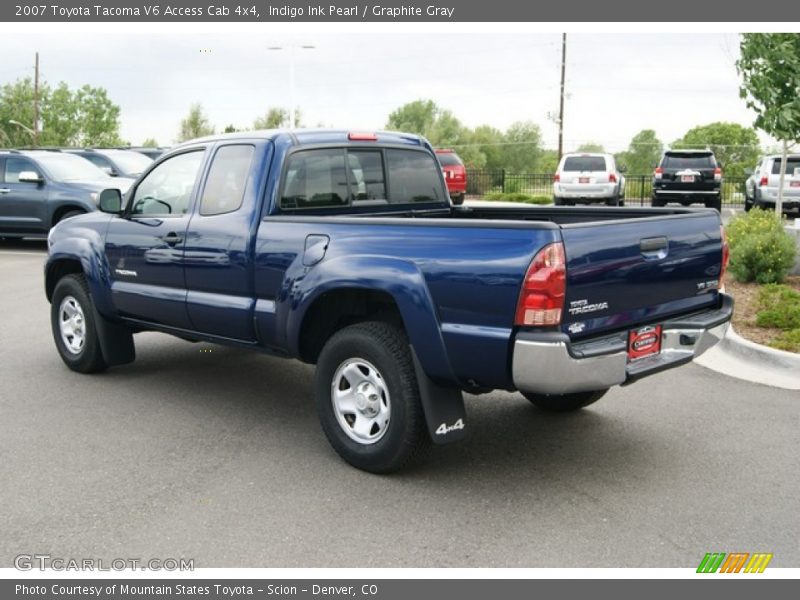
{"type": "Point", "coordinates": [587, 191]}
{"type": "Point", "coordinates": [549, 363]}
{"type": "Point", "coordinates": [686, 195]}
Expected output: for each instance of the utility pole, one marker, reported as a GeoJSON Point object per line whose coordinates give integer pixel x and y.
{"type": "Point", "coordinates": [561, 103]}
{"type": "Point", "coordinates": [36, 102]}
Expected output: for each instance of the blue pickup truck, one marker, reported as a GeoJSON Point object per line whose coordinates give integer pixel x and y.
{"type": "Point", "coordinates": [343, 250]}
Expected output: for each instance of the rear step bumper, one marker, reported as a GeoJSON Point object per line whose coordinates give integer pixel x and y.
{"type": "Point", "coordinates": [549, 363]}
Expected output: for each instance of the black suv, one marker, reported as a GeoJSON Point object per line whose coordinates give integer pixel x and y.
{"type": "Point", "coordinates": [686, 177]}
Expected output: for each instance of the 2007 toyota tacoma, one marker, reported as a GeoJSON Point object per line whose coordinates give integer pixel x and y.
{"type": "Point", "coordinates": [343, 250]}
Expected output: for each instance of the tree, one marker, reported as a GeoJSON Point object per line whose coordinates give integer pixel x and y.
{"type": "Point", "coordinates": [82, 117]}
{"type": "Point", "coordinates": [230, 129]}
{"type": "Point", "coordinates": [736, 147]}
{"type": "Point", "coordinates": [415, 117]}
{"type": "Point", "coordinates": [770, 70]}
{"type": "Point", "coordinates": [590, 147]}
{"type": "Point", "coordinates": [195, 125]}
{"type": "Point", "coordinates": [150, 143]}
{"type": "Point", "coordinates": [643, 153]}
{"type": "Point", "coordinates": [276, 118]}
{"type": "Point", "coordinates": [522, 147]}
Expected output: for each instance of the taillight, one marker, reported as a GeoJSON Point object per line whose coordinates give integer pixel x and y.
{"type": "Point", "coordinates": [612, 178]}
{"type": "Point", "coordinates": [726, 256]}
{"type": "Point", "coordinates": [541, 300]}
{"type": "Point", "coordinates": [556, 178]}
{"type": "Point", "coordinates": [658, 173]}
{"type": "Point", "coordinates": [717, 174]}
{"type": "Point", "coordinates": [362, 137]}
{"type": "Point", "coordinates": [764, 181]}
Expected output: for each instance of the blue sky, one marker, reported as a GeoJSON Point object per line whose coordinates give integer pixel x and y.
{"type": "Point", "coordinates": [617, 84]}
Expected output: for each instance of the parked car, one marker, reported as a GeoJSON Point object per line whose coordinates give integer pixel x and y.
{"type": "Point", "coordinates": [687, 177]}
{"type": "Point", "coordinates": [148, 151]}
{"type": "Point", "coordinates": [39, 189]}
{"type": "Point", "coordinates": [761, 187]}
{"type": "Point", "coordinates": [343, 250]}
{"type": "Point", "coordinates": [455, 174]}
{"type": "Point", "coordinates": [116, 163]}
{"type": "Point", "coordinates": [588, 178]}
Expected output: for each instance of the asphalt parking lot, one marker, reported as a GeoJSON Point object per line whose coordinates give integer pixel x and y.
{"type": "Point", "coordinates": [215, 454]}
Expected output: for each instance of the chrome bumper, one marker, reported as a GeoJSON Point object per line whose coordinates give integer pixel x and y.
{"type": "Point", "coordinates": [549, 363]}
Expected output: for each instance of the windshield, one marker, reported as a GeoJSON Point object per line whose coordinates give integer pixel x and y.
{"type": "Point", "coordinates": [585, 163]}
{"type": "Point", "coordinates": [68, 167]}
{"type": "Point", "coordinates": [130, 162]}
{"type": "Point", "coordinates": [448, 159]}
{"type": "Point", "coordinates": [688, 161]}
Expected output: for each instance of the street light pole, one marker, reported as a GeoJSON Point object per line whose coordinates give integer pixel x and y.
{"type": "Point", "coordinates": [292, 109]}
{"type": "Point", "coordinates": [27, 129]}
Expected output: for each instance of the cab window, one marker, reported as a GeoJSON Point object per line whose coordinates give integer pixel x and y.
{"type": "Point", "coordinates": [166, 191]}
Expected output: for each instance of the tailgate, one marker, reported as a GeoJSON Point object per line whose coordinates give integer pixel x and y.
{"type": "Point", "coordinates": [626, 273]}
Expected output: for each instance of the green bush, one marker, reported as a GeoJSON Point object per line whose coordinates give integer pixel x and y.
{"type": "Point", "coordinates": [778, 306]}
{"type": "Point", "coordinates": [518, 197]}
{"type": "Point", "coordinates": [761, 250]}
{"type": "Point", "coordinates": [788, 340]}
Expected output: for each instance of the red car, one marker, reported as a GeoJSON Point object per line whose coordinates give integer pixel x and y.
{"type": "Point", "coordinates": [455, 174]}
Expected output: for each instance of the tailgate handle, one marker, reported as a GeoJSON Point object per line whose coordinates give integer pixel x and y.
{"type": "Point", "coordinates": [655, 247]}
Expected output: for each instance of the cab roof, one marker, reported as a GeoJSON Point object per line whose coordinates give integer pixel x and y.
{"type": "Point", "coordinates": [302, 137]}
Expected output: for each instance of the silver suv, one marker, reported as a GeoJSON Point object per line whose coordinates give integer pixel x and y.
{"type": "Point", "coordinates": [761, 188]}
{"type": "Point", "coordinates": [585, 177]}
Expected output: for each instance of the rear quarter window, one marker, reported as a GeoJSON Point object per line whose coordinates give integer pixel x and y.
{"type": "Point", "coordinates": [448, 159]}
{"type": "Point", "coordinates": [584, 163]}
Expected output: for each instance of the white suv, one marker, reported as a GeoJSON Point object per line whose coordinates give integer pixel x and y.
{"type": "Point", "coordinates": [587, 178]}
{"type": "Point", "coordinates": [761, 188]}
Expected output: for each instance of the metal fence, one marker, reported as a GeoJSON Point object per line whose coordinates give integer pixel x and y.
{"type": "Point", "coordinates": [638, 188]}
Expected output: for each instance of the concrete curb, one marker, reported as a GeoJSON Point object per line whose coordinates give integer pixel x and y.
{"type": "Point", "coordinates": [740, 358]}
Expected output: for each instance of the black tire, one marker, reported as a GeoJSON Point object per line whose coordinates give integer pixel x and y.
{"type": "Point", "coordinates": [70, 214]}
{"type": "Point", "coordinates": [87, 356]}
{"type": "Point", "coordinates": [558, 201]}
{"type": "Point", "coordinates": [386, 349]}
{"type": "Point", "coordinates": [655, 202]}
{"type": "Point", "coordinates": [615, 201]}
{"type": "Point", "coordinates": [565, 402]}
{"type": "Point", "coordinates": [716, 203]}
{"type": "Point", "coordinates": [748, 204]}
{"type": "Point", "coordinates": [458, 199]}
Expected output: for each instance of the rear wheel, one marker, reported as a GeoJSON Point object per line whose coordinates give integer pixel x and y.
{"type": "Point", "coordinates": [657, 202]}
{"type": "Point", "coordinates": [72, 318]}
{"type": "Point", "coordinates": [458, 199]}
{"type": "Point", "coordinates": [368, 399]}
{"type": "Point", "coordinates": [558, 201]}
{"type": "Point", "coordinates": [716, 203]}
{"type": "Point", "coordinates": [564, 402]}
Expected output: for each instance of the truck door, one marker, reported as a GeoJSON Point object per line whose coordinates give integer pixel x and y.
{"type": "Point", "coordinates": [23, 204]}
{"type": "Point", "coordinates": [218, 248]}
{"type": "Point", "coordinates": [145, 249]}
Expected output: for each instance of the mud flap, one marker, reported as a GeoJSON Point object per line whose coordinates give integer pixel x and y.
{"type": "Point", "coordinates": [116, 341]}
{"type": "Point", "coordinates": [443, 406]}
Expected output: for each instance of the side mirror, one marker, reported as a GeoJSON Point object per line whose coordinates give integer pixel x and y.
{"type": "Point", "coordinates": [110, 201]}
{"type": "Point", "coordinates": [30, 177]}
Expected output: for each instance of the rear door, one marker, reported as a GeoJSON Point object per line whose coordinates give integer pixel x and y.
{"type": "Point", "coordinates": [624, 273]}
{"type": "Point", "coordinates": [690, 171]}
{"type": "Point", "coordinates": [145, 250]}
{"type": "Point", "coordinates": [791, 181]}
{"type": "Point", "coordinates": [585, 170]}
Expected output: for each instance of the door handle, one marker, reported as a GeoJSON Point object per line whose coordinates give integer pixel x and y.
{"type": "Point", "coordinates": [172, 238]}
{"type": "Point", "coordinates": [5, 191]}
{"type": "Point", "coordinates": [654, 248]}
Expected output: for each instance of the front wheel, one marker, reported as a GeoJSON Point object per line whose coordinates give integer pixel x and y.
{"type": "Point", "coordinates": [367, 397]}
{"type": "Point", "coordinates": [74, 326]}
{"type": "Point", "coordinates": [564, 402]}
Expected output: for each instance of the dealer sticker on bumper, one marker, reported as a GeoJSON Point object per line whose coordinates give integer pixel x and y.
{"type": "Point", "coordinates": [644, 341]}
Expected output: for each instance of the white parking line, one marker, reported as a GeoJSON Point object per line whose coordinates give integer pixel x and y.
{"type": "Point", "coordinates": [17, 253]}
